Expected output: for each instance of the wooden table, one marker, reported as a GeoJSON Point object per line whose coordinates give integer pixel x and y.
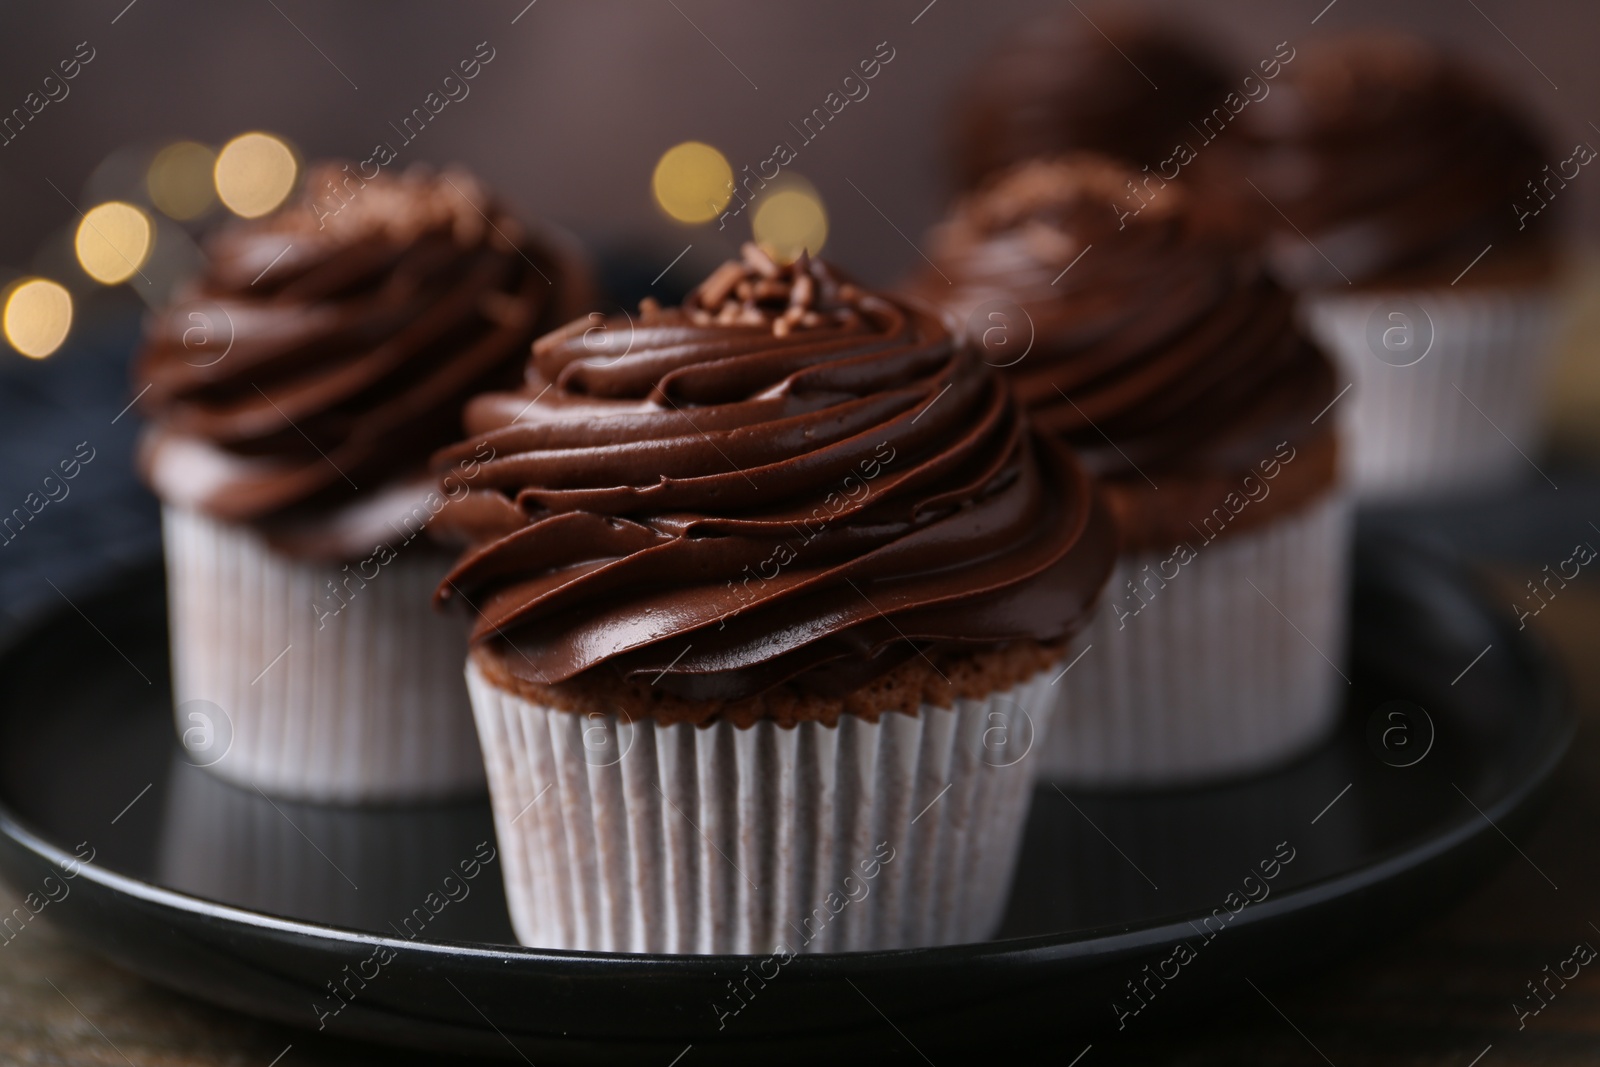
{"type": "Point", "coordinates": [1442, 996]}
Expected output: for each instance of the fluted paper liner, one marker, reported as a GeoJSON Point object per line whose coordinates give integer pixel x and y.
{"type": "Point", "coordinates": [715, 839]}
{"type": "Point", "coordinates": [1228, 668]}
{"type": "Point", "coordinates": [363, 705]}
{"type": "Point", "coordinates": [1455, 420]}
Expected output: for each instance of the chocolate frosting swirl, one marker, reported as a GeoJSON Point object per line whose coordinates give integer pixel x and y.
{"type": "Point", "coordinates": [1391, 158]}
{"type": "Point", "coordinates": [1064, 85]}
{"type": "Point", "coordinates": [328, 348]}
{"type": "Point", "coordinates": [1154, 342]}
{"type": "Point", "coordinates": [786, 480]}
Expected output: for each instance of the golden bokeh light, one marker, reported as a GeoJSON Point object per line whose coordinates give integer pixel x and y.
{"type": "Point", "coordinates": [254, 173]}
{"type": "Point", "coordinates": [113, 241]}
{"type": "Point", "coordinates": [788, 220]}
{"type": "Point", "coordinates": [692, 182]}
{"type": "Point", "coordinates": [179, 180]}
{"type": "Point", "coordinates": [38, 314]}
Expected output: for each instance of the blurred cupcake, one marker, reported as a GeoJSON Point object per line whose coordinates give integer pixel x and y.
{"type": "Point", "coordinates": [1160, 349]}
{"type": "Point", "coordinates": [1125, 85]}
{"type": "Point", "coordinates": [1414, 207]}
{"type": "Point", "coordinates": [295, 392]}
{"type": "Point", "coordinates": [770, 591]}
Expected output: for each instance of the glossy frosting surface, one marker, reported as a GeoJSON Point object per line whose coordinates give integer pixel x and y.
{"type": "Point", "coordinates": [787, 479]}
{"type": "Point", "coordinates": [327, 350]}
{"type": "Point", "coordinates": [1154, 342]}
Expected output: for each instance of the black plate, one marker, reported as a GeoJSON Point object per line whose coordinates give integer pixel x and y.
{"type": "Point", "coordinates": [265, 907]}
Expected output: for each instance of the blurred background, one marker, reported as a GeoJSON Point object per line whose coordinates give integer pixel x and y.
{"type": "Point", "coordinates": [581, 99]}
{"type": "Point", "coordinates": [571, 110]}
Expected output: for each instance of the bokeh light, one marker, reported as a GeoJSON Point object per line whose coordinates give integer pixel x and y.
{"type": "Point", "coordinates": [790, 219]}
{"type": "Point", "coordinates": [38, 314]}
{"type": "Point", "coordinates": [179, 180]}
{"type": "Point", "coordinates": [692, 182]}
{"type": "Point", "coordinates": [254, 173]}
{"type": "Point", "coordinates": [112, 242]}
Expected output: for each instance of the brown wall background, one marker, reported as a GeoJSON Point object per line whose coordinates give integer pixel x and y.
{"type": "Point", "coordinates": [582, 97]}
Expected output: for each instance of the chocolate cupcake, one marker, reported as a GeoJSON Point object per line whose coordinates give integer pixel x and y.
{"type": "Point", "coordinates": [1160, 348]}
{"type": "Point", "coordinates": [770, 590]}
{"type": "Point", "coordinates": [1125, 85]}
{"type": "Point", "coordinates": [295, 392]}
{"type": "Point", "coordinates": [1415, 210]}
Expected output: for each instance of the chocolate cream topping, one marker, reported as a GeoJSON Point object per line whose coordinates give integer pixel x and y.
{"type": "Point", "coordinates": [1391, 158]}
{"type": "Point", "coordinates": [787, 479]}
{"type": "Point", "coordinates": [1154, 342]}
{"type": "Point", "coordinates": [302, 381]}
{"type": "Point", "coordinates": [1130, 88]}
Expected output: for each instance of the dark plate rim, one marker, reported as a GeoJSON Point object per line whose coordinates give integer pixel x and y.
{"type": "Point", "coordinates": [1554, 714]}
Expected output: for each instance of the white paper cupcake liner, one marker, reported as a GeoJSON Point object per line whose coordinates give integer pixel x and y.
{"type": "Point", "coordinates": [648, 838]}
{"type": "Point", "coordinates": [1227, 668]}
{"type": "Point", "coordinates": [1466, 414]}
{"type": "Point", "coordinates": [362, 705]}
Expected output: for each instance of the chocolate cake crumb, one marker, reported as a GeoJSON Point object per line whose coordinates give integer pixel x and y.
{"type": "Point", "coordinates": [950, 676]}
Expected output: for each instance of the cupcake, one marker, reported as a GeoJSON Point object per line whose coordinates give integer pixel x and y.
{"type": "Point", "coordinates": [295, 392]}
{"type": "Point", "coordinates": [769, 593]}
{"type": "Point", "coordinates": [1163, 351]}
{"type": "Point", "coordinates": [1414, 209]}
{"type": "Point", "coordinates": [1125, 86]}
